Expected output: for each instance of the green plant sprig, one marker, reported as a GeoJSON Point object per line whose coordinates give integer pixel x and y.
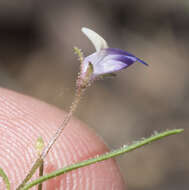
{"type": "Point", "coordinates": [114, 153]}
{"type": "Point", "coordinates": [5, 178]}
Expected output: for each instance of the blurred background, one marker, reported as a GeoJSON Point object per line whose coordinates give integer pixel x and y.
{"type": "Point", "coordinates": [36, 58]}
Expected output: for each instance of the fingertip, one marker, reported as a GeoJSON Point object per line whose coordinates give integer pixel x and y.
{"type": "Point", "coordinates": [24, 119]}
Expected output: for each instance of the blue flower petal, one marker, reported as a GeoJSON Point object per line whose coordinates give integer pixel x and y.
{"type": "Point", "coordinates": [115, 51]}
{"type": "Point", "coordinates": [109, 60]}
{"type": "Point", "coordinates": [109, 65]}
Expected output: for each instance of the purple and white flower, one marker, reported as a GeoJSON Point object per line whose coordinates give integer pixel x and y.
{"type": "Point", "coordinates": [105, 60]}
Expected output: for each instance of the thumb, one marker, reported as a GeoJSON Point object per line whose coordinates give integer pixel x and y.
{"type": "Point", "coordinates": [23, 120]}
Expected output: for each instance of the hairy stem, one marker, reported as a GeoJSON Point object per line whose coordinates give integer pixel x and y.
{"type": "Point", "coordinates": [64, 124]}
{"type": "Point", "coordinates": [59, 131]}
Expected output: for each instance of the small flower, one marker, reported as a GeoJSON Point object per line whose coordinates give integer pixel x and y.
{"type": "Point", "coordinates": [105, 61]}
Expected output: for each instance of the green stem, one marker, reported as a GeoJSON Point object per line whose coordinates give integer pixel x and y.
{"type": "Point", "coordinates": [102, 157]}
{"type": "Point", "coordinates": [5, 178]}
{"type": "Point", "coordinates": [37, 164]}
{"type": "Point", "coordinates": [41, 174]}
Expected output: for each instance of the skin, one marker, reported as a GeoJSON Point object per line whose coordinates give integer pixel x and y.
{"type": "Point", "coordinates": [24, 119]}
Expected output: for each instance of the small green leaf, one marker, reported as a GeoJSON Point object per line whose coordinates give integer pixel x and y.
{"type": "Point", "coordinates": [90, 69]}
{"type": "Point", "coordinates": [109, 75]}
{"type": "Point", "coordinates": [79, 53]}
{"type": "Point", "coordinates": [39, 145]}
{"type": "Point", "coordinates": [5, 178]}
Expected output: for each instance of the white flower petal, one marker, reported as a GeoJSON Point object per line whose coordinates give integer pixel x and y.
{"type": "Point", "coordinates": [98, 42]}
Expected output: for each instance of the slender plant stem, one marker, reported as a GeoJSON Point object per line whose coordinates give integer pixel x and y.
{"type": "Point", "coordinates": [117, 152]}
{"type": "Point", "coordinates": [40, 175]}
{"type": "Point", "coordinates": [5, 179]}
{"type": "Point", "coordinates": [64, 124]}
{"type": "Point", "coordinates": [31, 172]}
{"type": "Point", "coordinates": [59, 131]}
